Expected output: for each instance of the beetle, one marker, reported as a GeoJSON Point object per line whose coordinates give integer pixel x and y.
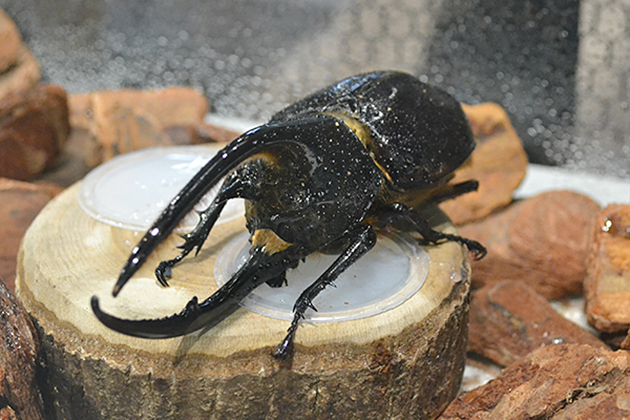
{"type": "Point", "coordinates": [323, 175]}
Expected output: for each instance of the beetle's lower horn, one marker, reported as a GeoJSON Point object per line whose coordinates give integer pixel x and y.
{"type": "Point", "coordinates": [259, 268]}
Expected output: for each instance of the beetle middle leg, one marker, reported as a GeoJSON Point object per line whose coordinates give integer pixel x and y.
{"type": "Point", "coordinates": [361, 241]}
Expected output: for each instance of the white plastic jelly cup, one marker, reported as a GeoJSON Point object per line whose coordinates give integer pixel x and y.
{"type": "Point", "coordinates": [131, 190]}
{"type": "Point", "coordinates": [384, 278]}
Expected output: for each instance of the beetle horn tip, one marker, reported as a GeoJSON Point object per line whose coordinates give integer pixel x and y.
{"type": "Point", "coordinates": [94, 304]}
{"type": "Point", "coordinates": [116, 290]}
{"type": "Point", "coordinates": [125, 275]}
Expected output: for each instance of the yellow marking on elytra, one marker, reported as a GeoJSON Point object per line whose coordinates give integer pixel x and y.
{"type": "Point", "coordinates": [267, 156]}
{"type": "Point", "coordinates": [267, 239]}
{"type": "Point", "coordinates": [363, 134]}
{"type": "Point", "coordinates": [378, 165]}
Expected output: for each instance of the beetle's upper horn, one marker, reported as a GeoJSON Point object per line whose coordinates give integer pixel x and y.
{"type": "Point", "coordinates": [246, 145]}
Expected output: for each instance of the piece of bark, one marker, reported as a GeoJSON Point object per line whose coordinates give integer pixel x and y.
{"type": "Point", "coordinates": [19, 69]}
{"type": "Point", "coordinates": [499, 163]}
{"type": "Point", "coordinates": [20, 202]}
{"type": "Point", "coordinates": [19, 348]}
{"type": "Point", "coordinates": [607, 284]}
{"type": "Point", "coordinates": [564, 381]}
{"type": "Point", "coordinates": [116, 122]}
{"type": "Point", "coordinates": [542, 241]}
{"type": "Point", "coordinates": [509, 319]}
{"type": "Point", "coordinates": [10, 42]}
{"type": "Point", "coordinates": [7, 413]}
{"type": "Point", "coordinates": [107, 123]}
{"type": "Point", "coordinates": [406, 362]}
{"type": "Point", "coordinates": [625, 343]}
{"type": "Point", "coordinates": [83, 151]}
{"type": "Point", "coordinates": [22, 76]}
{"type": "Point", "coordinates": [34, 127]}
{"type": "Point", "coordinates": [479, 371]}
{"type": "Point", "coordinates": [210, 133]}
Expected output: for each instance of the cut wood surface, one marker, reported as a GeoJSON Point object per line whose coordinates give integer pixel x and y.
{"type": "Point", "coordinates": [404, 363]}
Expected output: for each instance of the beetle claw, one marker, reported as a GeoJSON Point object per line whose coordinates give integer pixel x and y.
{"type": "Point", "coordinates": [309, 303]}
{"type": "Point", "coordinates": [284, 348]}
{"type": "Point", "coordinates": [163, 271]}
{"type": "Point", "coordinates": [478, 250]}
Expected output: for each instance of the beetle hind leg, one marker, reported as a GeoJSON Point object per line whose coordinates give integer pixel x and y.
{"type": "Point", "coordinates": [400, 212]}
{"type": "Point", "coordinates": [435, 237]}
{"type": "Point", "coordinates": [361, 241]}
{"type": "Point", "coordinates": [451, 191]}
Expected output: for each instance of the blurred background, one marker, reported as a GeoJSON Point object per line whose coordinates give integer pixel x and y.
{"type": "Point", "coordinates": [559, 67]}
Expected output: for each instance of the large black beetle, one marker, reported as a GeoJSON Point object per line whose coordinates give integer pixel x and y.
{"type": "Point", "coordinates": [322, 175]}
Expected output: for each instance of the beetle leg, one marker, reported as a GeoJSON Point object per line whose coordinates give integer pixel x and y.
{"type": "Point", "coordinates": [278, 281]}
{"type": "Point", "coordinates": [194, 240]}
{"type": "Point", "coordinates": [399, 211]}
{"type": "Point", "coordinates": [455, 190]}
{"type": "Point", "coordinates": [434, 237]}
{"type": "Point", "coordinates": [361, 240]}
{"type": "Point", "coordinates": [233, 187]}
{"type": "Point", "coordinates": [259, 267]}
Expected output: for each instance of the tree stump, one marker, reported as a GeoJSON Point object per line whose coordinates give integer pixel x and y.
{"type": "Point", "coordinates": [404, 363]}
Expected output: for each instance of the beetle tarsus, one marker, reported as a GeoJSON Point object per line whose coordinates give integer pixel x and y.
{"type": "Point", "coordinates": [193, 239]}
{"type": "Point", "coordinates": [435, 237]}
{"type": "Point", "coordinates": [286, 346]}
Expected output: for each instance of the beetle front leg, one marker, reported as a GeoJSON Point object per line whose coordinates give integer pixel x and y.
{"type": "Point", "coordinates": [194, 240]}
{"type": "Point", "coordinates": [362, 240]}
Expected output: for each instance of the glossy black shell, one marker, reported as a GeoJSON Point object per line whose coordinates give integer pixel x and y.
{"type": "Point", "coordinates": [419, 132]}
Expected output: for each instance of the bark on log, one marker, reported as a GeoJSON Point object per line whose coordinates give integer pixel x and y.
{"type": "Point", "coordinates": [404, 363]}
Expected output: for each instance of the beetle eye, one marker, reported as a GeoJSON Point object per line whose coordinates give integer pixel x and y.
{"type": "Point", "coordinates": [408, 159]}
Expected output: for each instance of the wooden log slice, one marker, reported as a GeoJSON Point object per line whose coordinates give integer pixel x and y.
{"type": "Point", "coordinates": [404, 363]}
